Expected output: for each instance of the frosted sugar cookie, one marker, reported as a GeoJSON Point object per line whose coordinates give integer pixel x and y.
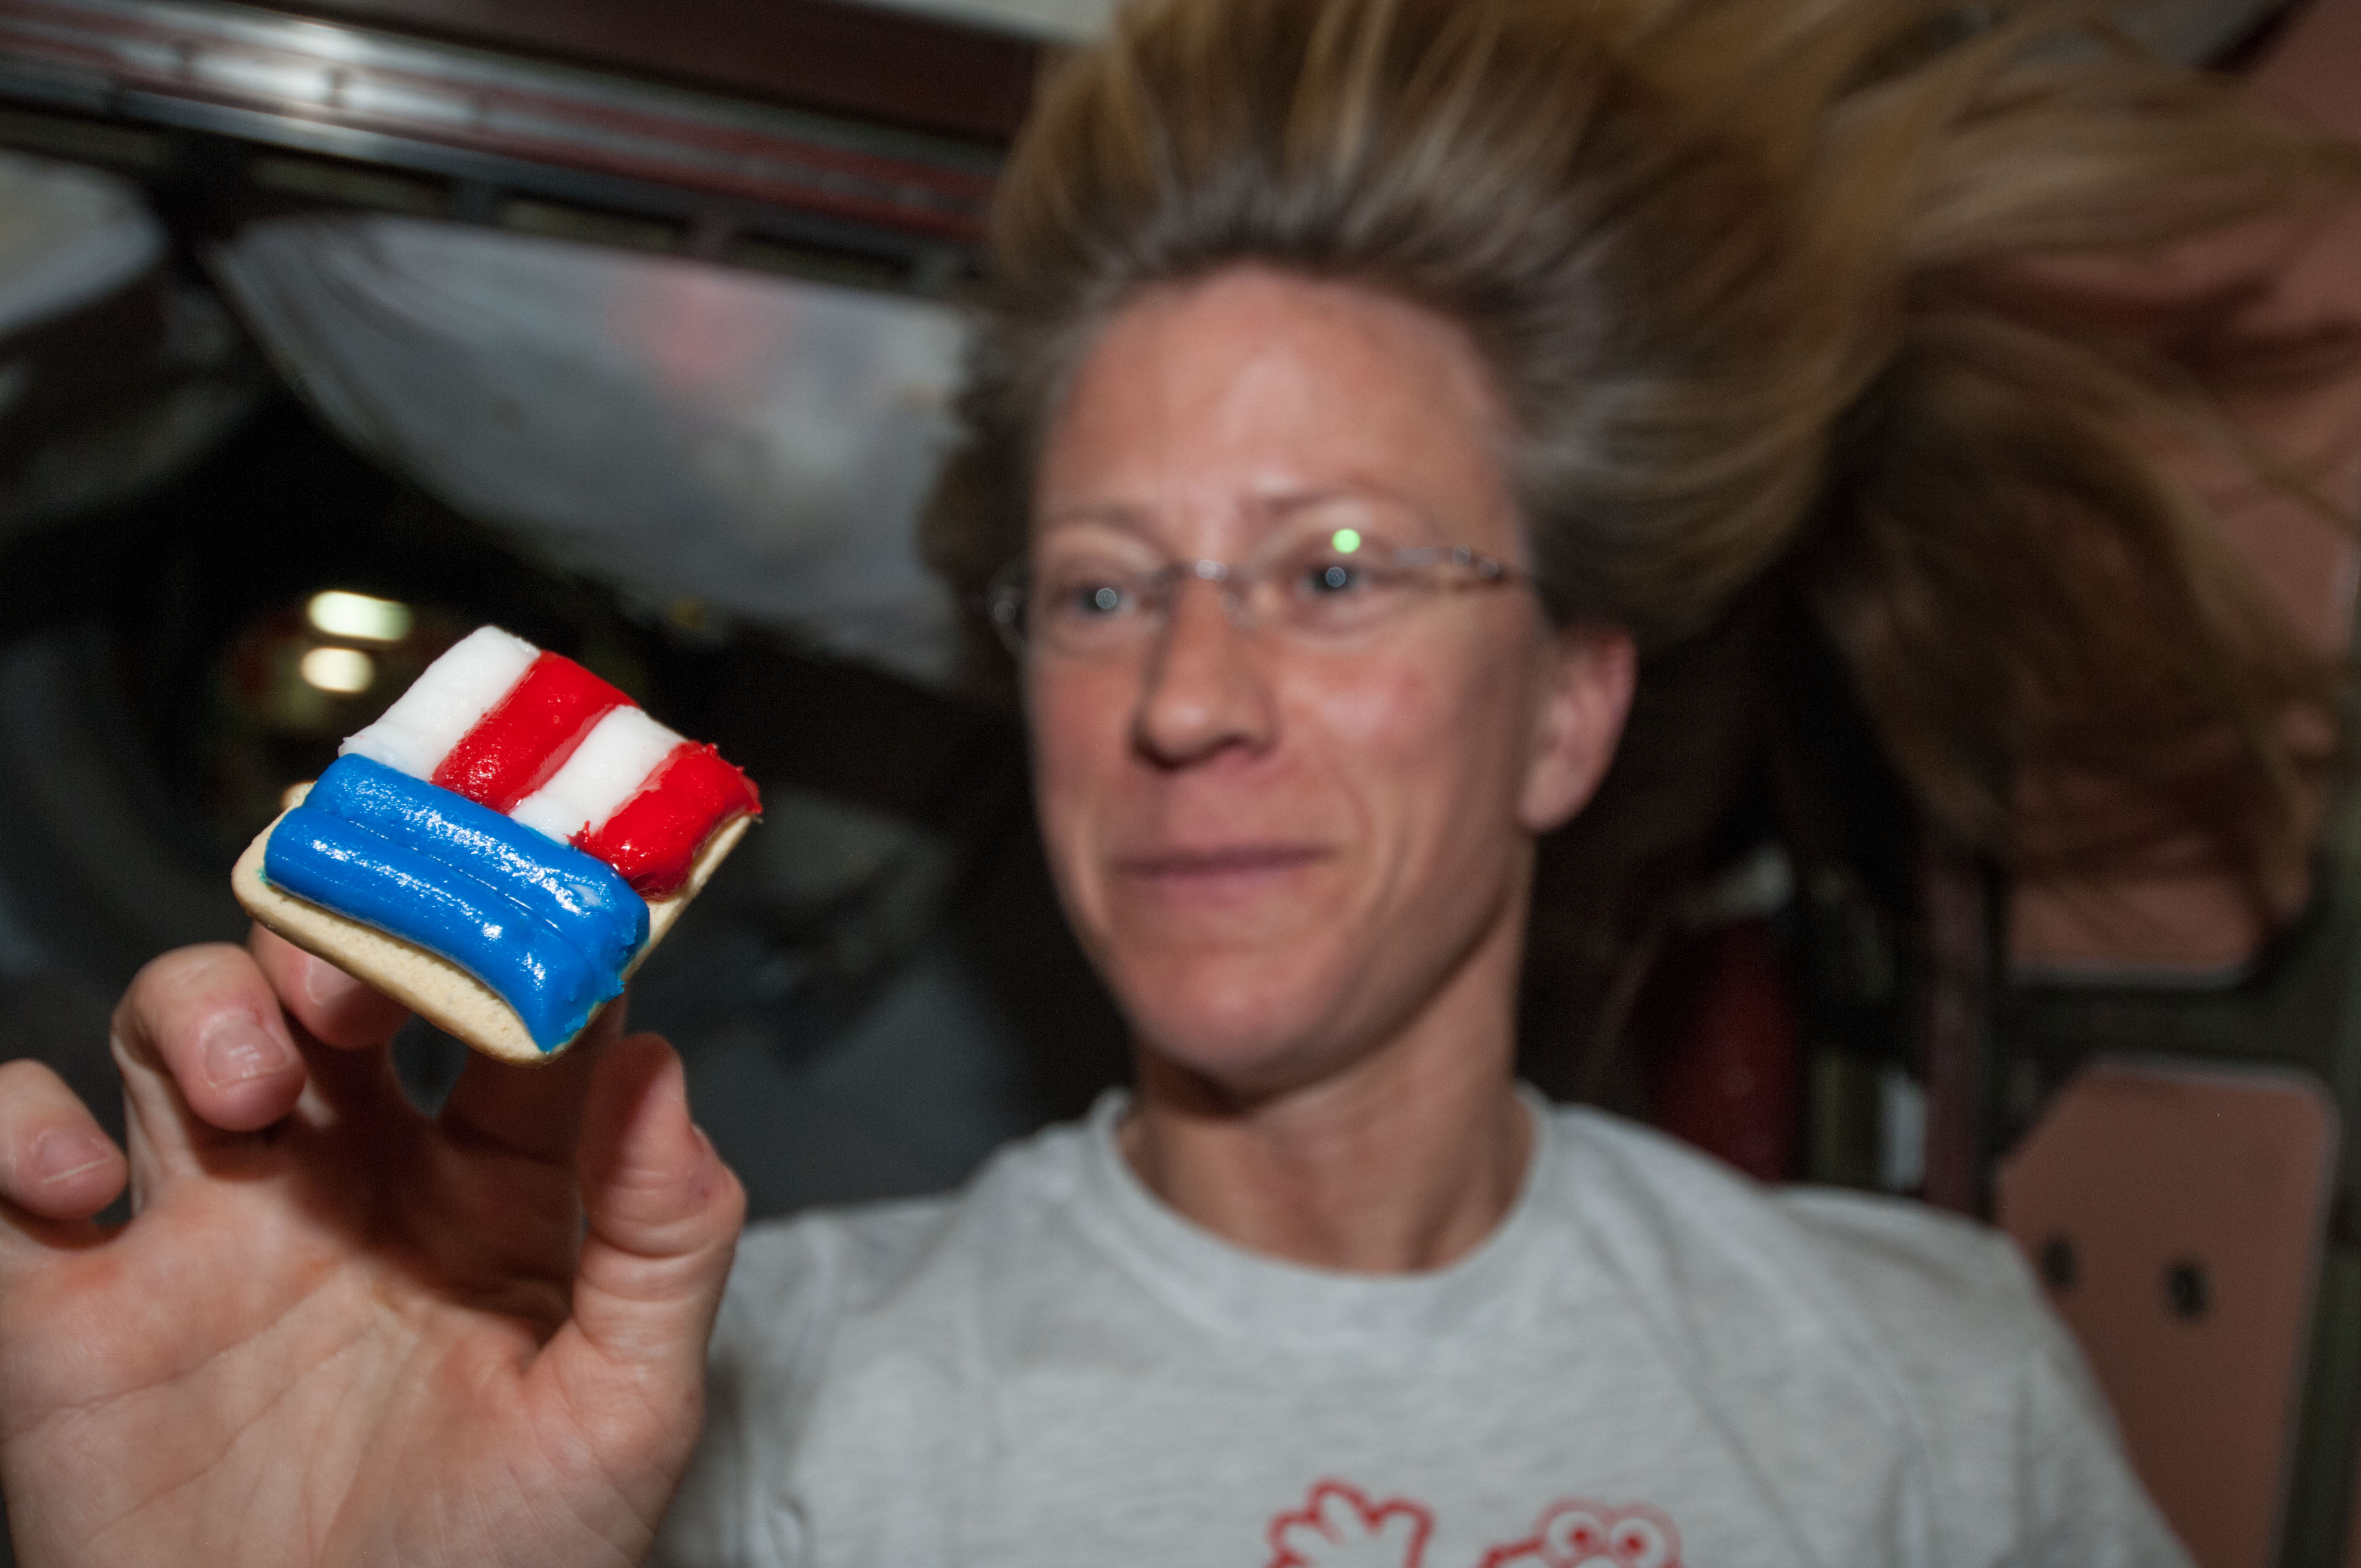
{"type": "Point", "coordinates": [501, 849]}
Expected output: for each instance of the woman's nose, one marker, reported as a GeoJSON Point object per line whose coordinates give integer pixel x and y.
{"type": "Point", "coordinates": [1204, 688]}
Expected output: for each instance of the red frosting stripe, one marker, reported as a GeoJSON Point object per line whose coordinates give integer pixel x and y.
{"type": "Point", "coordinates": [653, 838]}
{"type": "Point", "coordinates": [528, 734]}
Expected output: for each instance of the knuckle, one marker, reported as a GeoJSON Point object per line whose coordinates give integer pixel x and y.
{"type": "Point", "coordinates": [169, 980]}
{"type": "Point", "coordinates": [197, 961]}
{"type": "Point", "coordinates": [733, 1191]}
{"type": "Point", "coordinates": [728, 1203]}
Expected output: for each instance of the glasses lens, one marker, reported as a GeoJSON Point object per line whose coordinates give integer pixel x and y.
{"type": "Point", "coordinates": [1322, 590]}
{"type": "Point", "coordinates": [1325, 584]}
{"type": "Point", "coordinates": [1083, 606]}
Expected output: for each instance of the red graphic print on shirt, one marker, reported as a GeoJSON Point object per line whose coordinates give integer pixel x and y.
{"type": "Point", "coordinates": [1577, 1534]}
{"type": "Point", "coordinates": [1338, 1527]}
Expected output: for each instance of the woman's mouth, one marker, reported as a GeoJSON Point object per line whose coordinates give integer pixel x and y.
{"type": "Point", "coordinates": [1217, 873]}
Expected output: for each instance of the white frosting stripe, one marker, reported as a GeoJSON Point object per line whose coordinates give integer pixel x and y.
{"type": "Point", "coordinates": [446, 702]}
{"type": "Point", "coordinates": [613, 761]}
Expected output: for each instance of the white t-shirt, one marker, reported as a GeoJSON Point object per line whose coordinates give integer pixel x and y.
{"type": "Point", "coordinates": [1651, 1363]}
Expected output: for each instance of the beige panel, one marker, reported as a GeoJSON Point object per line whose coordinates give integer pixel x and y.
{"type": "Point", "coordinates": [2175, 1216]}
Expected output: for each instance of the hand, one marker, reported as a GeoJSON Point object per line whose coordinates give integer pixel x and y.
{"type": "Point", "coordinates": [336, 1331]}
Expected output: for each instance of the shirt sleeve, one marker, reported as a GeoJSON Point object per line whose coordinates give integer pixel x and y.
{"type": "Point", "coordinates": [709, 1523]}
{"type": "Point", "coordinates": [768, 1342]}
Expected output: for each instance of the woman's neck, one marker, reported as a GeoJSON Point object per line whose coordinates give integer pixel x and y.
{"type": "Point", "coordinates": [1406, 1160]}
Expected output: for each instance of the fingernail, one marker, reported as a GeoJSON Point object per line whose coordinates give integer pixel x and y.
{"type": "Point", "coordinates": [60, 1154]}
{"type": "Point", "coordinates": [239, 1050]}
{"type": "Point", "coordinates": [326, 985]}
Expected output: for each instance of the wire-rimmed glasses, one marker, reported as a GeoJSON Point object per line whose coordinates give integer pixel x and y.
{"type": "Point", "coordinates": [1330, 587]}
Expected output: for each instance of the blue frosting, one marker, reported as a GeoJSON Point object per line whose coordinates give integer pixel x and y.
{"type": "Point", "coordinates": [342, 866]}
{"type": "Point", "coordinates": [548, 927]}
{"type": "Point", "coordinates": [580, 895]}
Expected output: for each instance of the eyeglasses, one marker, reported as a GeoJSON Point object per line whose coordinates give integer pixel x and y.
{"type": "Point", "coordinates": [1326, 590]}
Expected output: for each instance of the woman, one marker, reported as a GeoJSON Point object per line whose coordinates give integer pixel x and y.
{"type": "Point", "coordinates": [1371, 390]}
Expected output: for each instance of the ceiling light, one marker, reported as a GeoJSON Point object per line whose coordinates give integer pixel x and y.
{"type": "Point", "coordinates": [343, 671]}
{"type": "Point", "coordinates": [340, 614]}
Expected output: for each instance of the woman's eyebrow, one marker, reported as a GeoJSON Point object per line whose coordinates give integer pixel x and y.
{"type": "Point", "coordinates": [1273, 509]}
{"type": "Point", "coordinates": [1287, 503]}
{"type": "Point", "coordinates": [1113, 524]}
{"type": "Point", "coordinates": [1285, 506]}
{"type": "Point", "coordinates": [1119, 515]}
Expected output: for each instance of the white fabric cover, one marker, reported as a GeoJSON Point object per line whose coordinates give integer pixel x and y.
{"type": "Point", "coordinates": [114, 376]}
{"type": "Point", "coordinates": [758, 445]}
{"type": "Point", "coordinates": [68, 235]}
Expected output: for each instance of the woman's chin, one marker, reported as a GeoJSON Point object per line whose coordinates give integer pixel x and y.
{"type": "Point", "coordinates": [1236, 1039]}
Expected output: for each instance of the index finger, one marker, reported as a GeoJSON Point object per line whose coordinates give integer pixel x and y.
{"type": "Point", "coordinates": [203, 1051]}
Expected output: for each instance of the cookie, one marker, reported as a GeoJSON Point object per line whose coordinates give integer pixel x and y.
{"type": "Point", "coordinates": [501, 849]}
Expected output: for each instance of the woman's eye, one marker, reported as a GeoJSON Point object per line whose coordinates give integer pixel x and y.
{"type": "Point", "coordinates": [1089, 599]}
{"type": "Point", "coordinates": [1322, 579]}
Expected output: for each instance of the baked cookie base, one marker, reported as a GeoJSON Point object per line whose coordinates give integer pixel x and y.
{"type": "Point", "coordinates": [432, 987]}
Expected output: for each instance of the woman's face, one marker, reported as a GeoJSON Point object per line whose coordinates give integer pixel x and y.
{"type": "Point", "coordinates": [1278, 850]}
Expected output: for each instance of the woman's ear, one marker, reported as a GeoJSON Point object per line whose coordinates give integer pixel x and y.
{"type": "Point", "coordinates": [1583, 698]}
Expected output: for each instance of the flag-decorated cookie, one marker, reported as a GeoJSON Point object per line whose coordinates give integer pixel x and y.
{"type": "Point", "coordinates": [501, 849]}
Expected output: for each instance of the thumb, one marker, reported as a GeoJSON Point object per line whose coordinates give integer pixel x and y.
{"type": "Point", "coordinates": [663, 1214]}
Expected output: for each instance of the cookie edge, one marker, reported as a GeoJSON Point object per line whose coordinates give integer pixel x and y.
{"type": "Point", "coordinates": [428, 984]}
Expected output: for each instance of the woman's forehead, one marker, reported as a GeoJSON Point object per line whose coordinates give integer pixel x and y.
{"type": "Point", "coordinates": [1237, 402]}
{"type": "Point", "coordinates": [1354, 505]}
